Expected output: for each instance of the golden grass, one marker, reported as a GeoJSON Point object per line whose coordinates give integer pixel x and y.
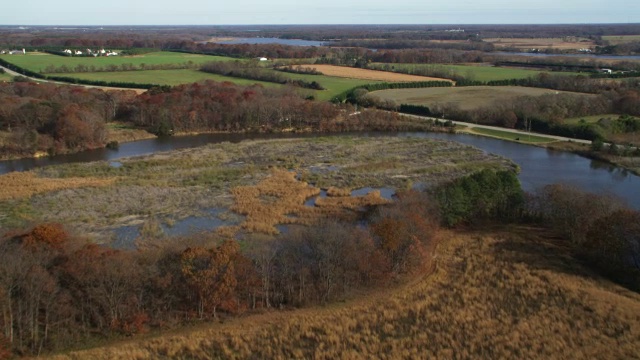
{"type": "Point", "coordinates": [509, 294]}
{"type": "Point", "coordinates": [279, 199]}
{"type": "Point", "coordinates": [17, 185]}
{"type": "Point", "coordinates": [365, 74]}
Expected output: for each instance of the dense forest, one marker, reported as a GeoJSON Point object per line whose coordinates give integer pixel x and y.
{"type": "Point", "coordinates": [58, 119]}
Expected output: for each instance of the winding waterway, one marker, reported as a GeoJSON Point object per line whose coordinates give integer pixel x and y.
{"type": "Point", "coordinates": [539, 166]}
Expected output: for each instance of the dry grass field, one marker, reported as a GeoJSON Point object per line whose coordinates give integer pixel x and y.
{"type": "Point", "coordinates": [497, 294]}
{"type": "Point", "coordinates": [17, 185]}
{"type": "Point", "coordinates": [566, 43]}
{"type": "Point", "coordinates": [365, 74]}
{"type": "Point", "coordinates": [467, 98]}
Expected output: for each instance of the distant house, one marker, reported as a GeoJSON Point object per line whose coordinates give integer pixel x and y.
{"type": "Point", "coordinates": [263, 59]}
{"type": "Point", "coordinates": [15, 52]}
{"type": "Point", "coordinates": [606, 71]}
{"type": "Point", "coordinates": [103, 51]}
{"type": "Point", "coordinates": [78, 52]}
{"type": "Point", "coordinates": [112, 53]}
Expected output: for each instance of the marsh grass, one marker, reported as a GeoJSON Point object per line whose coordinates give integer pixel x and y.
{"type": "Point", "coordinates": [182, 183]}
{"type": "Point", "coordinates": [17, 185]}
{"type": "Point", "coordinates": [279, 199]}
{"type": "Point", "coordinates": [495, 294]}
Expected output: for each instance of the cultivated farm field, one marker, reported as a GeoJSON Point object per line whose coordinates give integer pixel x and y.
{"type": "Point", "coordinates": [365, 74]}
{"type": "Point", "coordinates": [466, 98]}
{"type": "Point", "coordinates": [512, 294]}
{"type": "Point", "coordinates": [565, 43]}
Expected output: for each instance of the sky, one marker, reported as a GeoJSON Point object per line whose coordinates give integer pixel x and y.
{"type": "Point", "coordinates": [248, 12]}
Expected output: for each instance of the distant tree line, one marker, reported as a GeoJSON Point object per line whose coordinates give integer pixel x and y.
{"type": "Point", "coordinates": [82, 68]}
{"type": "Point", "coordinates": [298, 70]}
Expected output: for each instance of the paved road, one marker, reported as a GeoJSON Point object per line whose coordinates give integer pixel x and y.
{"type": "Point", "coordinates": [13, 73]}
{"type": "Point", "coordinates": [515, 131]}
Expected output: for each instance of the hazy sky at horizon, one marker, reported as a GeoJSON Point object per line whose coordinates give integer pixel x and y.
{"type": "Point", "coordinates": [203, 12]}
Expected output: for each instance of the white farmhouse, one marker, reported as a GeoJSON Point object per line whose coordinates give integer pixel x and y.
{"type": "Point", "coordinates": [67, 51]}
{"type": "Point", "coordinates": [78, 52]}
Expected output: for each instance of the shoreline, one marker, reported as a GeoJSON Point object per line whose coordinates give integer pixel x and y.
{"type": "Point", "coordinates": [566, 146]}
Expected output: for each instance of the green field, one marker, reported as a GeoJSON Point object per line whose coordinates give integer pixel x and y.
{"type": "Point", "coordinates": [512, 136]}
{"type": "Point", "coordinates": [39, 61]}
{"type": "Point", "coordinates": [478, 73]}
{"type": "Point", "coordinates": [162, 77]}
{"type": "Point", "coordinates": [466, 98]}
{"type": "Point", "coordinates": [333, 85]}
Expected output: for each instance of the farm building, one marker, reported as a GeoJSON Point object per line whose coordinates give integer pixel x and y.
{"type": "Point", "coordinates": [263, 59]}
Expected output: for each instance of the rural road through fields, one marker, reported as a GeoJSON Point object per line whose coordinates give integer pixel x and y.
{"type": "Point", "coordinates": [497, 128]}
{"type": "Point", "coordinates": [13, 73]}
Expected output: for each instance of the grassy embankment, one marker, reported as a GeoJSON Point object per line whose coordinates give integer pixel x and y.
{"type": "Point", "coordinates": [505, 293]}
{"type": "Point", "coordinates": [167, 187]}
{"type": "Point", "coordinates": [477, 72]}
{"type": "Point", "coordinates": [5, 77]}
{"type": "Point", "coordinates": [505, 135]}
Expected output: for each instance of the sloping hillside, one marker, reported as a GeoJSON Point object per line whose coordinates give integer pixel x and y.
{"type": "Point", "coordinates": [511, 293]}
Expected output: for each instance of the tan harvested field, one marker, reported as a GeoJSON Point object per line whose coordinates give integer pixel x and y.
{"type": "Point", "coordinates": [365, 74]}
{"type": "Point", "coordinates": [17, 185]}
{"type": "Point", "coordinates": [502, 294]}
{"type": "Point", "coordinates": [467, 98]}
{"type": "Point", "coordinates": [567, 43]}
